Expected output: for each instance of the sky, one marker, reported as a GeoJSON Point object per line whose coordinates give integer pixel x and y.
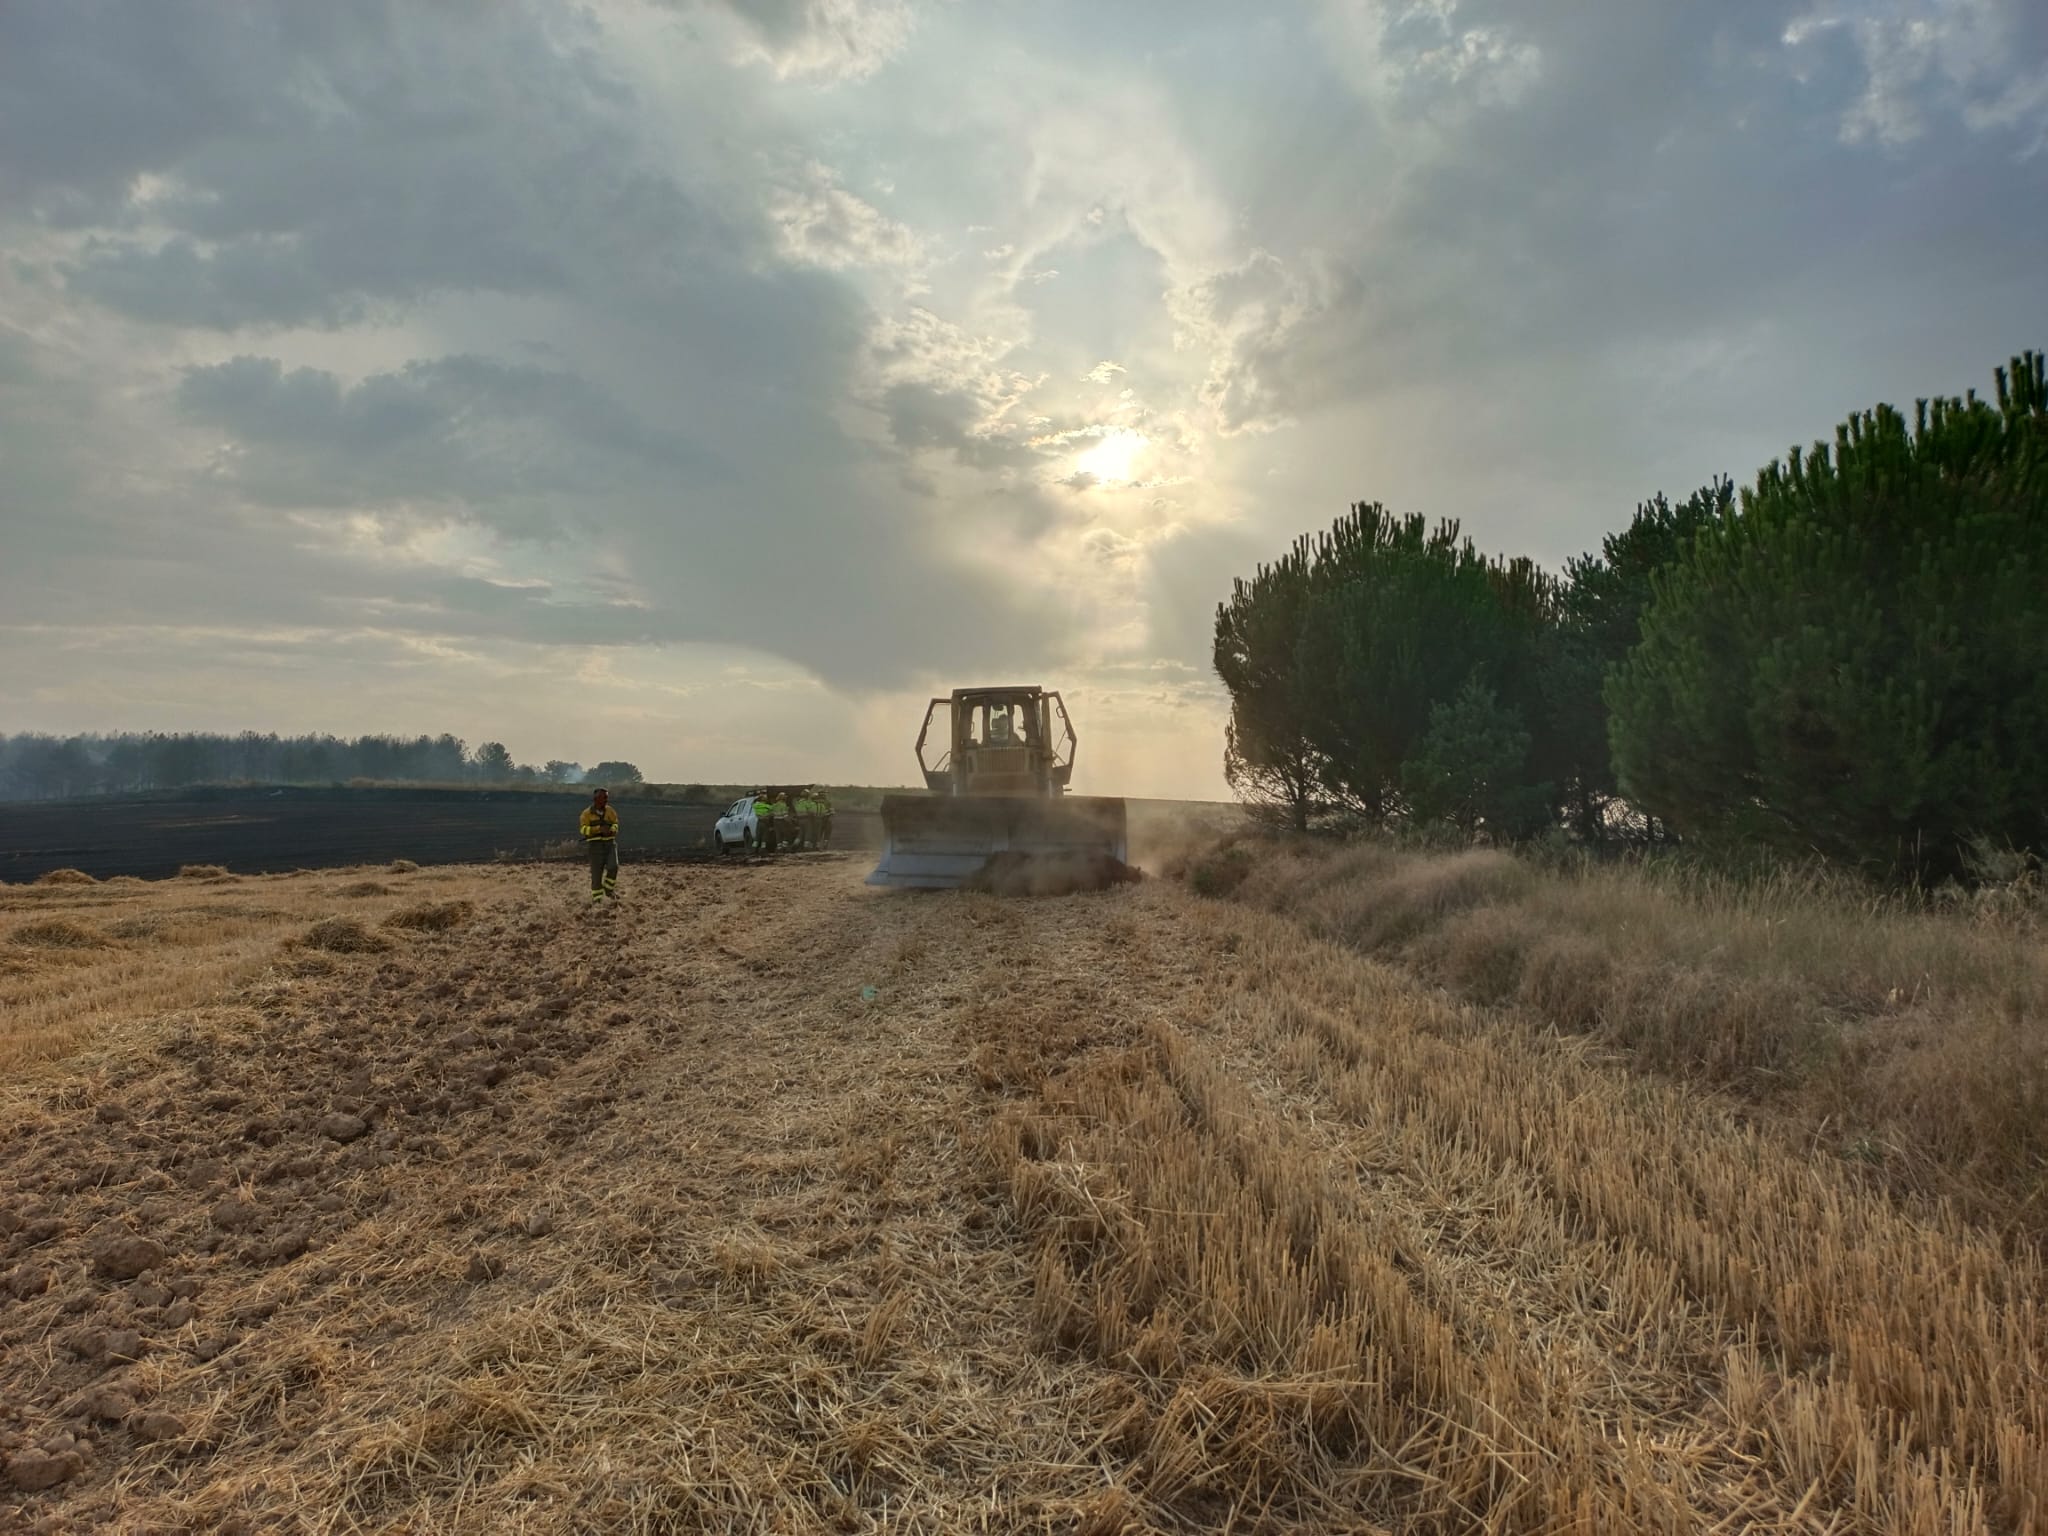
{"type": "Point", "coordinates": [708, 383]}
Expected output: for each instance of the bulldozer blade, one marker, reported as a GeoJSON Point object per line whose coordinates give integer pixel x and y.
{"type": "Point", "coordinates": [944, 842]}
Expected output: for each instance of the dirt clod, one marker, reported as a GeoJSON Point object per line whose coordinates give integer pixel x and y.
{"type": "Point", "coordinates": [155, 1424]}
{"type": "Point", "coordinates": [538, 1224]}
{"type": "Point", "coordinates": [107, 1404]}
{"type": "Point", "coordinates": [123, 1258]}
{"type": "Point", "coordinates": [32, 1471]}
{"type": "Point", "coordinates": [341, 1127]}
{"type": "Point", "coordinates": [483, 1267]}
{"type": "Point", "coordinates": [123, 1344]}
{"type": "Point", "coordinates": [235, 1215]}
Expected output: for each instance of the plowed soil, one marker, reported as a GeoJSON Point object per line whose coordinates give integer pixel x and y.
{"type": "Point", "coordinates": [761, 1201]}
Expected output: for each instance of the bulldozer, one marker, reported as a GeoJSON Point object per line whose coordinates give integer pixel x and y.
{"type": "Point", "coordinates": [996, 808]}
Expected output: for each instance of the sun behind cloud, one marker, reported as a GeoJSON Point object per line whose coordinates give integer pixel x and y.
{"type": "Point", "coordinates": [1113, 456]}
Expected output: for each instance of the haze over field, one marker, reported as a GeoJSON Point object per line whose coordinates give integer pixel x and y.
{"type": "Point", "coordinates": [703, 383]}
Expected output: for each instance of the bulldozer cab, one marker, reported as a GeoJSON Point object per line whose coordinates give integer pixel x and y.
{"type": "Point", "coordinates": [997, 741]}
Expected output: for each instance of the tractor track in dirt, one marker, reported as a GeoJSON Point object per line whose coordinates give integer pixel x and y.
{"type": "Point", "coordinates": [764, 1202]}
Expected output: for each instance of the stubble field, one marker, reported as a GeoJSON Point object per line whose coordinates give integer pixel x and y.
{"type": "Point", "coordinates": [766, 1202]}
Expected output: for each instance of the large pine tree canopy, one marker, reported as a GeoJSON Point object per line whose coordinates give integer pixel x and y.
{"type": "Point", "coordinates": [1849, 661]}
{"type": "Point", "coordinates": [1856, 664]}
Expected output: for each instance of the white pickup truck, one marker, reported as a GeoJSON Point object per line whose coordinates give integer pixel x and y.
{"type": "Point", "coordinates": [735, 828]}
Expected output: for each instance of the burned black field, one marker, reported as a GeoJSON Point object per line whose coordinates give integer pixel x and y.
{"type": "Point", "coordinates": [267, 830]}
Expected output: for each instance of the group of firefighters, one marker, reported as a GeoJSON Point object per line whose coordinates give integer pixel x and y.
{"type": "Point", "coordinates": [783, 822]}
{"type": "Point", "coordinates": [780, 821]}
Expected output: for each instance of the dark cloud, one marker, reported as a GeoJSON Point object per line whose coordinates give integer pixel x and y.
{"type": "Point", "coordinates": [955, 422]}
{"type": "Point", "coordinates": [679, 467]}
{"type": "Point", "coordinates": [345, 167]}
{"type": "Point", "coordinates": [464, 429]}
{"type": "Point", "coordinates": [1665, 171]}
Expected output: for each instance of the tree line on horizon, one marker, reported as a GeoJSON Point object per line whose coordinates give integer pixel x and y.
{"type": "Point", "coordinates": [35, 766]}
{"type": "Point", "coordinates": [1848, 659]}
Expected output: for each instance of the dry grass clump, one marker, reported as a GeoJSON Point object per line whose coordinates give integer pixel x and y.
{"type": "Point", "coordinates": [343, 936]}
{"type": "Point", "coordinates": [58, 933]}
{"type": "Point", "coordinates": [361, 888]}
{"type": "Point", "coordinates": [204, 872]}
{"type": "Point", "coordinates": [1895, 1030]}
{"type": "Point", "coordinates": [432, 916]}
{"type": "Point", "coordinates": [65, 877]}
{"type": "Point", "coordinates": [401, 867]}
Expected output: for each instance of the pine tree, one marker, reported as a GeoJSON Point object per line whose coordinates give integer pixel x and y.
{"type": "Point", "coordinates": [1856, 663]}
{"type": "Point", "coordinates": [1267, 757]}
{"type": "Point", "coordinates": [1601, 601]}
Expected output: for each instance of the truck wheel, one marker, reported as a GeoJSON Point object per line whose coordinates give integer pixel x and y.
{"type": "Point", "coordinates": [718, 842]}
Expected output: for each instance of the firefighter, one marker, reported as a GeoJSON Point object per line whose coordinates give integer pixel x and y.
{"type": "Point", "coordinates": [764, 822]}
{"type": "Point", "coordinates": [600, 827]}
{"type": "Point", "coordinates": [807, 817]}
{"type": "Point", "coordinates": [785, 821]}
{"type": "Point", "coordinates": [824, 819]}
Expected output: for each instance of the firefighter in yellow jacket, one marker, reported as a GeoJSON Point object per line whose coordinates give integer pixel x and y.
{"type": "Point", "coordinates": [600, 826]}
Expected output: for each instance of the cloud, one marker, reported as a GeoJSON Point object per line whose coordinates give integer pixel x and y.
{"type": "Point", "coordinates": [1982, 62]}
{"type": "Point", "coordinates": [942, 389]}
{"type": "Point", "coordinates": [461, 429]}
{"type": "Point", "coordinates": [821, 224]}
{"type": "Point", "coordinates": [346, 168]}
{"type": "Point", "coordinates": [823, 39]}
{"type": "Point", "coordinates": [428, 196]}
{"type": "Point", "coordinates": [1247, 319]}
{"type": "Point", "coordinates": [1432, 60]}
